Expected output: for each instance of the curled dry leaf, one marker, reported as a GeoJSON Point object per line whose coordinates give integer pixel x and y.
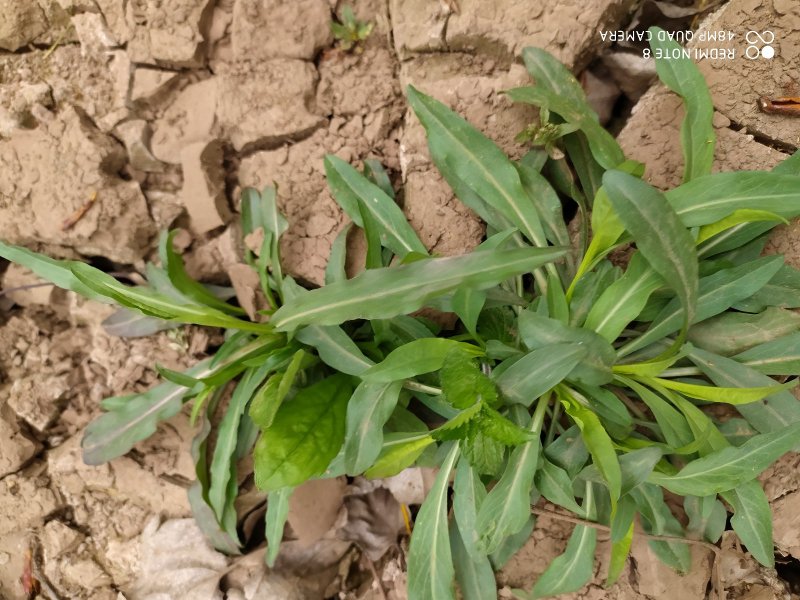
{"type": "Point", "coordinates": [313, 509]}
{"type": "Point", "coordinates": [374, 520]}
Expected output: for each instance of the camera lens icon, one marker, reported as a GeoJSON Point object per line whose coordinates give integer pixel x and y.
{"type": "Point", "coordinates": [760, 45]}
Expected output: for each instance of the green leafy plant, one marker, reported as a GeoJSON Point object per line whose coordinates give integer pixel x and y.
{"type": "Point", "coordinates": [568, 377]}
{"type": "Point", "coordinates": [350, 32]}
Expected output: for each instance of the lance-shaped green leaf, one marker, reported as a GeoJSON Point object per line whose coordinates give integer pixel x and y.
{"type": "Point", "coordinates": [227, 437]}
{"type": "Point", "coordinates": [153, 304]}
{"type": "Point", "coordinates": [752, 520]}
{"type": "Point", "coordinates": [277, 512]}
{"type": "Point", "coordinates": [474, 573]}
{"type": "Point", "coordinates": [368, 410]}
{"type": "Point", "coordinates": [716, 293]}
{"type": "Point", "coordinates": [133, 418]}
{"type": "Point", "coordinates": [624, 299]}
{"type": "Point", "coordinates": [335, 348]}
{"type": "Point", "coordinates": [783, 291]}
{"type": "Point", "coordinates": [537, 332]}
{"type": "Point", "coordinates": [57, 272]}
{"type": "Point", "coordinates": [674, 428]}
{"type": "Point", "coordinates": [539, 371]}
{"type": "Point", "coordinates": [729, 467]}
{"type": "Point", "coordinates": [399, 451]}
{"type": "Point", "coordinates": [588, 289]}
{"type": "Point", "coordinates": [430, 565]}
{"type": "Point", "coordinates": [737, 217]}
{"type": "Point", "coordinates": [709, 198]}
{"type": "Point", "coordinates": [415, 358]}
{"type": "Point", "coordinates": [547, 203]}
{"type": "Point", "coordinates": [355, 193]}
{"type": "Point", "coordinates": [557, 90]}
{"type": "Point", "coordinates": [778, 357]}
{"type": "Point", "coordinates": [467, 158]}
{"type": "Point", "coordinates": [126, 323]}
{"type": "Point", "coordinates": [709, 393]}
{"type": "Point", "coordinates": [384, 293]}
{"type": "Point", "coordinates": [507, 507]}
{"type": "Point", "coordinates": [659, 520]}
{"type": "Point", "coordinates": [335, 269]}
{"type": "Point", "coordinates": [305, 435]}
{"type": "Point", "coordinates": [172, 262]}
{"type": "Point", "coordinates": [707, 517]}
{"type": "Point", "coordinates": [683, 77]}
{"type": "Point", "coordinates": [554, 483]}
{"type": "Point", "coordinates": [771, 414]}
{"type": "Point", "coordinates": [468, 495]}
{"type": "Point", "coordinates": [660, 236]}
{"type": "Point", "coordinates": [732, 333]}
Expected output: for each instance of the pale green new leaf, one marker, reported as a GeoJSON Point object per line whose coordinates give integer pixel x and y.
{"type": "Point", "coordinates": [430, 566]}
{"type": "Point", "coordinates": [384, 293]}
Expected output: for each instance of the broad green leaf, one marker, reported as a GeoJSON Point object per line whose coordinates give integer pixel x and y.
{"type": "Point", "coordinates": [707, 517]}
{"type": "Point", "coordinates": [771, 414]}
{"type": "Point", "coordinates": [368, 410]}
{"type": "Point", "coordinates": [539, 332]}
{"type": "Point", "coordinates": [659, 235]}
{"type": "Point", "coordinates": [790, 165]}
{"type": "Point", "coordinates": [430, 566]}
{"type": "Point", "coordinates": [372, 235]}
{"type": "Point", "coordinates": [474, 573]}
{"type": "Point", "coordinates": [468, 495]}
{"type": "Point", "coordinates": [355, 192]}
{"type": "Point", "coordinates": [683, 77]}
{"type": "Point", "coordinates": [277, 512]}
{"type": "Point", "coordinates": [153, 304]}
{"type": "Point", "coordinates": [415, 358]}
{"type": "Point", "coordinates": [728, 395]}
{"type": "Point", "coordinates": [482, 451]}
{"type": "Point", "coordinates": [729, 467]}
{"type": "Point", "coordinates": [752, 520]}
{"type": "Point", "coordinates": [136, 417]}
{"type": "Point", "coordinates": [266, 402]}
{"type": "Point", "coordinates": [463, 383]}
{"type": "Point", "coordinates": [539, 371]}
{"type": "Point", "coordinates": [384, 293]}
{"type": "Point", "coordinates": [502, 429]}
{"type": "Point", "coordinates": [710, 198]}
{"type": "Point", "coordinates": [305, 435]}
{"type": "Point", "coordinates": [737, 217]}
{"type": "Point", "coordinates": [780, 356]}
{"type": "Point", "coordinates": [658, 520]}
{"type": "Point", "coordinates": [223, 462]}
{"type": "Point", "coordinates": [464, 155]}
{"type": "Point", "coordinates": [732, 333]}
{"type": "Point", "coordinates": [398, 452]}
{"type": "Point", "coordinates": [335, 348]}
{"type": "Point", "coordinates": [783, 291]}
{"type": "Point", "coordinates": [554, 483]}
{"type": "Point", "coordinates": [58, 272]}
{"type": "Point", "coordinates": [172, 262]}
{"type": "Point", "coordinates": [623, 300]}
{"type": "Point", "coordinates": [507, 507]}
{"type": "Point", "coordinates": [717, 293]}
{"type": "Point", "coordinates": [335, 269]}
{"type": "Point", "coordinates": [558, 91]}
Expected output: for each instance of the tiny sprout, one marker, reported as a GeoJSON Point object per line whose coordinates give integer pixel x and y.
{"type": "Point", "coordinates": [546, 134]}
{"type": "Point", "coordinates": [350, 32]}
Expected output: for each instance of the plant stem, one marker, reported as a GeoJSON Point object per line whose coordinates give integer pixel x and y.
{"type": "Point", "coordinates": [681, 372]}
{"type": "Point", "coordinates": [416, 386]}
{"type": "Point", "coordinates": [551, 427]}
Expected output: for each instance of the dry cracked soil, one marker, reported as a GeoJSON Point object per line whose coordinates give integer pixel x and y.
{"type": "Point", "coordinates": [143, 114]}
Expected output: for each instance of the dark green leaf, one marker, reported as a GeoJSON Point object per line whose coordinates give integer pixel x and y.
{"type": "Point", "coordinates": [335, 348]}
{"type": "Point", "coordinates": [415, 358]}
{"type": "Point", "coordinates": [659, 520]}
{"type": "Point", "coordinates": [335, 269]}
{"type": "Point", "coordinates": [732, 333]}
{"type": "Point", "coordinates": [571, 570]}
{"type": "Point", "coordinates": [537, 372]}
{"type": "Point", "coordinates": [554, 483]}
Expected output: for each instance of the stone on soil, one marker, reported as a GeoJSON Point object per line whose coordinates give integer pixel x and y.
{"type": "Point", "coordinates": [203, 191]}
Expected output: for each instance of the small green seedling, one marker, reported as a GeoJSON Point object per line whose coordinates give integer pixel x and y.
{"type": "Point", "coordinates": [351, 32]}
{"type": "Point", "coordinates": [567, 379]}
